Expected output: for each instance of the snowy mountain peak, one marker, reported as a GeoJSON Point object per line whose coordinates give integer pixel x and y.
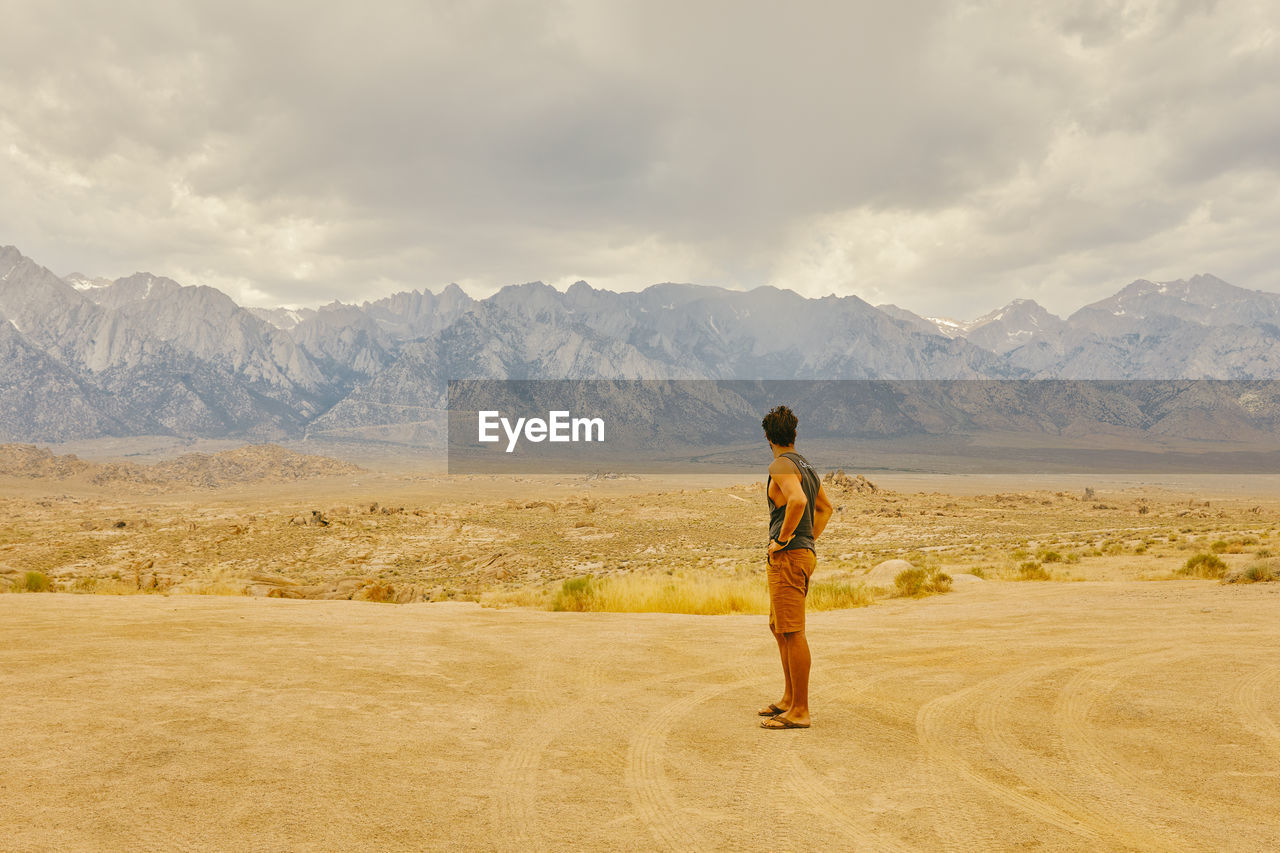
{"type": "Point", "coordinates": [82, 282]}
{"type": "Point", "coordinates": [1203, 299]}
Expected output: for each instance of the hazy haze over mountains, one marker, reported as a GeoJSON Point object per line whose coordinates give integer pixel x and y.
{"type": "Point", "coordinates": [142, 355]}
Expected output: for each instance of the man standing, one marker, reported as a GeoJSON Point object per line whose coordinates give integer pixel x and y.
{"type": "Point", "coordinates": [798, 511]}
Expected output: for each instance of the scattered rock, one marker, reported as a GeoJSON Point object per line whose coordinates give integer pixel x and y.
{"type": "Point", "coordinates": [315, 519]}
{"type": "Point", "coordinates": [857, 484]}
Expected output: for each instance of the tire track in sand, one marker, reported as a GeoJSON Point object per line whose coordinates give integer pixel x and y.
{"type": "Point", "coordinates": [942, 755]}
{"type": "Point", "coordinates": [1052, 781]}
{"type": "Point", "coordinates": [1113, 781]}
{"type": "Point", "coordinates": [647, 781]}
{"type": "Point", "coordinates": [809, 787]}
{"type": "Point", "coordinates": [645, 775]}
{"type": "Point", "coordinates": [516, 776]}
{"type": "Point", "coordinates": [1248, 701]}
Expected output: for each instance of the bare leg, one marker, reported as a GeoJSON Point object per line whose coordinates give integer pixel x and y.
{"type": "Point", "coordinates": [785, 702]}
{"type": "Point", "coordinates": [796, 661]}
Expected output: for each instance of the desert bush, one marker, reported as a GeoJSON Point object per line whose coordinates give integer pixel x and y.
{"type": "Point", "coordinates": [577, 594]}
{"type": "Point", "coordinates": [379, 591]}
{"type": "Point", "coordinates": [978, 572]}
{"type": "Point", "coordinates": [1204, 566]}
{"type": "Point", "coordinates": [1071, 558]}
{"type": "Point", "coordinates": [35, 582]}
{"type": "Point", "coordinates": [913, 583]}
{"type": "Point", "coordinates": [1050, 557]}
{"type": "Point", "coordinates": [1032, 571]}
{"type": "Point", "coordinates": [1262, 552]}
{"type": "Point", "coordinates": [1259, 572]}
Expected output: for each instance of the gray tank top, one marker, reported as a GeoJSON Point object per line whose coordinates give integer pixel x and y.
{"type": "Point", "coordinates": [810, 483]}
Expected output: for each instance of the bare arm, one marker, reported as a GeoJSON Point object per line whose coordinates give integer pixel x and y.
{"type": "Point", "coordinates": [822, 510]}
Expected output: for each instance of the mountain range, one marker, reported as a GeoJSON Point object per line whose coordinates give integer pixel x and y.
{"type": "Point", "coordinates": [88, 357]}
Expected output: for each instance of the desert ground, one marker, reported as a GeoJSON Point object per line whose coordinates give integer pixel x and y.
{"type": "Point", "coordinates": [248, 681]}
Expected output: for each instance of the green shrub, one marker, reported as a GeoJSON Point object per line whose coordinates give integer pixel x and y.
{"type": "Point", "coordinates": [1204, 566]}
{"type": "Point", "coordinates": [1050, 557]}
{"type": "Point", "coordinates": [978, 572]}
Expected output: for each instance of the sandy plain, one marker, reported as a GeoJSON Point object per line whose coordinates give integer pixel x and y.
{"type": "Point", "coordinates": [1118, 706]}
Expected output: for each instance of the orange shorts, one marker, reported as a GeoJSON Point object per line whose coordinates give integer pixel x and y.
{"type": "Point", "coordinates": [789, 573]}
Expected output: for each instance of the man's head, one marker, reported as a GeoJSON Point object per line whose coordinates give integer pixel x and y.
{"type": "Point", "coordinates": [780, 426]}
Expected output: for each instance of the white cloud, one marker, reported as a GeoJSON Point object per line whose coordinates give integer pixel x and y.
{"type": "Point", "coordinates": [943, 156]}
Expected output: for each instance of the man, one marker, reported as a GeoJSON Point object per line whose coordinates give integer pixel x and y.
{"type": "Point", "coordinates": [798, 512]}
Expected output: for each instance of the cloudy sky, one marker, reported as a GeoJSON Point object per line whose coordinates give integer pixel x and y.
{"type": "Point", "coordinates": [942, 156]}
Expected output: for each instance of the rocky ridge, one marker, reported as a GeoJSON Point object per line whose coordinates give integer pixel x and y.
{"type": "Point", "coordinates": [245, 465]}
{"type": "Point", "coordinates": [144, 355]}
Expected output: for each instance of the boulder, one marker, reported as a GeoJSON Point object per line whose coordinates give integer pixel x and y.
{"type": "Point", "coordinates": [883, 574]}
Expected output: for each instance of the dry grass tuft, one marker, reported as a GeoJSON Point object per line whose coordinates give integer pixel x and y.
{"type": "Point", "coordinates": [839, 595]}
{"type": "Point", "coordinates": [1204, 566]}
{"type": "Point", "coordinates": [378, 591]}
{"type": "Point", "coordinates": [1259, 572]}
{"type": "Point", "coordinates": [916, 583]}
{"type": "Point", "coordinates": [34, 582]}
{"type": "Point", "coordinates": [1033, 571]}
{"type": "Point", "coordinates": [662, 593]}
{"type": "Point", "coordinates": [221, 583]}
{"type": "Point", "coordinates": [106, 586]}
{"type": "Point", "coordinates": [702, 595]}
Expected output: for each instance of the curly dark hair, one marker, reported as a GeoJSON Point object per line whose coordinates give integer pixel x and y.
{"type": "Point", "coordinates": [780, 426]}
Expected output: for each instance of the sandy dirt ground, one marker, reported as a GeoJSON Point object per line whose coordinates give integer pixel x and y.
{"type": "Point", "coordinates": [1050, 716]}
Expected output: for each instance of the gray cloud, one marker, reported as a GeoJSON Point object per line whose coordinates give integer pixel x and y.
{"type": "Point", "coordinates": [944, 156]}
